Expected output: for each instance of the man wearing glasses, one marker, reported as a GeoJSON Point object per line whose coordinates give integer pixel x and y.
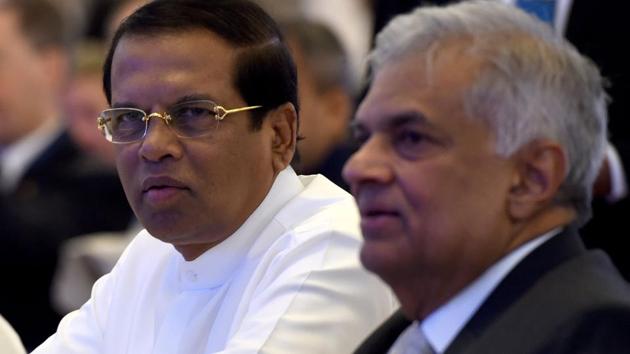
{"type": "Point", "coordinates": [239, 253]}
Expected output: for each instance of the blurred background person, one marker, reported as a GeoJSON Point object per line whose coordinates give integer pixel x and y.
{"type": "Point", "coordinates": [118, 12]}
{"type": "Point", "coordinates": [326, 94]}
{"type": "Point", "coordinates": [84, 259]}
{"type": "Point", "coordinates": [349, 20]}
{"type": "Point", "coordinates": [49, 190]}
{"type": "Point", "coordinates": [84, 100]}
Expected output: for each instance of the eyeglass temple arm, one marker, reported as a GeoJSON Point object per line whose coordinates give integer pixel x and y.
{"type": "Point", "coordinates": [222, 112]}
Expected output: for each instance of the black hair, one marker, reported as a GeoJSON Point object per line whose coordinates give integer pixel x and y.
{"type": "Point", "coordinates": [264, 72]}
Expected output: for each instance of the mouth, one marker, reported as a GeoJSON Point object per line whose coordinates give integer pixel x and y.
{"type": "Point", "coordinates": [374, 208]}
{"type": "Point", "coordinates": [376, 213]}
{"type": "Point", "coordinates": [377, 222]}
{"type": "Point", "coordinates": [162, 188]}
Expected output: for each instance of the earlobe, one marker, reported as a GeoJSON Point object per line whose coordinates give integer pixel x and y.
{"type": "Point", "coordinates": [541, 169]}
{"type": "Point", "coordinates": [283, 122]}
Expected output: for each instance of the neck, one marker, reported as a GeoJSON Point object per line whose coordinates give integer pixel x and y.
{"type": "Point", "coordinates": [544, 221]}
{"type": "Point", "coordinates": [432, 298]}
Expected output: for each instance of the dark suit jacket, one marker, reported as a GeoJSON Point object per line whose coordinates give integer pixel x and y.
{"type": "Point", "coordinates": [62, 194]}
{"type": "Point", "coordinates": [559, 299]}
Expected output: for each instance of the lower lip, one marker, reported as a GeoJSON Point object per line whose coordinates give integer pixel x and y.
{"type": "Point", "coordinates": [379, 225]}
{"type": "Point", "coordinates": [161, 195]}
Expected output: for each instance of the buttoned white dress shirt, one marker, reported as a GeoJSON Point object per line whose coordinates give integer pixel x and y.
{"type": "Point", "coordinates": [287, 281]}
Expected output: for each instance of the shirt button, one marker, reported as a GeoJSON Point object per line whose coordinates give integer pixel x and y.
{"type": "Point", "coordinates": [191, 276]}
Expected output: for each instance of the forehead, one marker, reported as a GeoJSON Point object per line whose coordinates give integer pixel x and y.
{"type": "Point", "coordinates": [434, 82]}
{"type": "Point", "coordinates": [194, 60]}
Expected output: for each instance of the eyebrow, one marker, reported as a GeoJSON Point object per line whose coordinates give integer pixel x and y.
{"type": "Point", "coordinates": [397, 120]}
{"type": "Point", "coordinates": [194, 97]}
{"type": "Point", "coordinates": [182, 99]}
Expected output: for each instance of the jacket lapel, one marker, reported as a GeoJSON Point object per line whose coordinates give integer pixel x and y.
{"type": "Point", "coordinates": [516, 284]}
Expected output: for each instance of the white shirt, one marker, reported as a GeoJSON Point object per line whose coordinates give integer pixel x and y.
{"type": "Point", "coordinates": [287, 281]}
{"type": "Point", "coordinates": [444, 324]}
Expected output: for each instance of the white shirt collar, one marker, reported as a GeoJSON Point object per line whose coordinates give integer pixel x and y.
{"type": "Point", "coordinates": [443, 324]}
{"type": "Point", "coordinates": [16, 158]}
{"type": "Point", "coordinates": [216, 265]}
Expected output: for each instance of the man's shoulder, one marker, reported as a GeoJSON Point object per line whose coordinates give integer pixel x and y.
{"type": "Point", "coordinates": [585, 283]}
{"type": "Point", "coordinates": [599, 329]}
{"type": "Point", "coordinates": [323, 188]}
{"type": "Point", "coordinates": [321, 204]}
{"type": "Point", "coordinates": [563, 302]}
{"type": "Point", "coordinates": [320, 220]}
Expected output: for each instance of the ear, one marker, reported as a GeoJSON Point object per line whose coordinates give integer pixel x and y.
{"type": "Point", "coordinates": [541, 167]}
{"type": "Point", "coordinates": [283, 122]}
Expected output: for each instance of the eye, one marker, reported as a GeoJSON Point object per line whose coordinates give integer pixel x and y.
{"type": "Point", "coordinates": [359, 136]}
{"type": "Point", "coordinates": [127, 119]}
{"type": "Point", "coordinates": [411, 143]}
{"type": "Point", "coordinates": [192, 113]}
{"type": "Point", "coordinates": [129, 116]}
{"type": "Point", "coordinates": [193, 118]}
{"type": "Point", "coordinates": [410, 138]}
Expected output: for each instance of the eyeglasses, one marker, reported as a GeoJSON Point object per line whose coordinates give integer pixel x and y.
{"type": "Point", "coordinates": [190, 119]}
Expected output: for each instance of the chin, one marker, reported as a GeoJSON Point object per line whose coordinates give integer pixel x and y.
{"type": "Point", "coordinates": [165, 227]}
{"type": "Point", "coordinates": [378, 259]}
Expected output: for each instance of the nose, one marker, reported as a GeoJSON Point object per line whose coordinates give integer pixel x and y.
{"type": "Point", "coordinates": [370, 164]}
{"type": "Point", "coordinates": [160, 141]}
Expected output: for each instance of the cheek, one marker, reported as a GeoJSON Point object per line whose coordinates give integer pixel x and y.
{"type": "Point", "coordinates": [126, 162]}
{"type": "Point", "coordinates": [437, 209]}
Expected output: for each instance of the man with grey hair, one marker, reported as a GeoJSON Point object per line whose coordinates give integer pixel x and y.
{"type": "Point", "coordinates": [482, 134]}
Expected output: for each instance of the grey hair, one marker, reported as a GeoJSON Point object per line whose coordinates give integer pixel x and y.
{"type": "Point", "coordinates": [532, 84]}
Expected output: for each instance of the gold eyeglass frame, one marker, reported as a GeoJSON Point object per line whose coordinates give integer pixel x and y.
{"type": "Point", "coordinates": [219, 111]}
